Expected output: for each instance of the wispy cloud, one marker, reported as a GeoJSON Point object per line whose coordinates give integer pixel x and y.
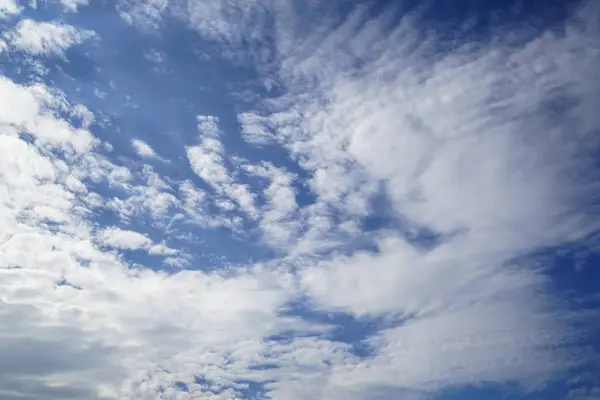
{"type": "Point", "coordinates": [254, 129]}
{"type": "Point", "coordinates": [43, 38]}
{"type": "Point", "coordinates": [468, 146]}
{"type": "Point", "coordinates": [208, 162]}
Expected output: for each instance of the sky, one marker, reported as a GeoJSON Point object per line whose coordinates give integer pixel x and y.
{"type": "Point", "coordinates": [296, 199]}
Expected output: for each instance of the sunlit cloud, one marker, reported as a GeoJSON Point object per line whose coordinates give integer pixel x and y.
{"type": "Point", "coordinates": [284, 201]}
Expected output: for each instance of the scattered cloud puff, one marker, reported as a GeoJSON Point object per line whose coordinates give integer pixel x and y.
{"type": "Point", "coordinates": [121, 239]}
{"type": "Point", "coordinates": [143, 149]}
{"type": "Point", "coordinates": [44, 38]}
{"type": "Point", "coordinates": [207, 161]}
{"type": "Point", "coordinates": [124, 239]}
{"type": "Point", "coordinates": [208, 125]}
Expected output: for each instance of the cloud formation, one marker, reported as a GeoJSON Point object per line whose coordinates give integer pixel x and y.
{"type": "Point", "coordinates": [143, 149]}
{"type": "Point", "coordinates": [44, 38]}
{"type": "Point", "coordinates": [393, 177]}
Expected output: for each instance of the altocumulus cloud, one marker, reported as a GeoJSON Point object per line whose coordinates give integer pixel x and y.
{"type": "Point", "coordinates": [307, 200]}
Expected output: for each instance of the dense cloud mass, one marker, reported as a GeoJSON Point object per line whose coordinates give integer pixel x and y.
{"type": "Point", "coordinates": [226, 199]}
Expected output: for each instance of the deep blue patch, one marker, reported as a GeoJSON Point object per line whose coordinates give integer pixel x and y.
{"type": "Point", "coordinates": [63, 282]}
{"type": "Point", "coordinates": [181, 386]}
{"type": "Point", "coordinates": [346, 328]}
{"type": "Point", "coordinates": [247, 389]}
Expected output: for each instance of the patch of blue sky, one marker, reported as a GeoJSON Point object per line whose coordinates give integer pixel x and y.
{"type": "Point", "coordinates": [245, 389]}
{"type": "Point", "coordinates": [342, 327]}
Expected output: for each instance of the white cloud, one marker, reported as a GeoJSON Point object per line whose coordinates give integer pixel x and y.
{"type": "Point", "coordinates": [123, 239]}
{"type": "Point", "coordinates": [32, 110]}
{"type": "Point", "coordinates": [8, 8]}
{"type": "Point", "coordinates": [207, 162]}
{"type": "Point", "coordinates": [73, 5]}
{"type": "Point", "coordinates": [254, 130]}
{"type": "Point", "coordinates": [241, 27]}
{"type": "Point", "coordinates": [430, 352]}
{"type": "Point", "coordinates": [468, 148]}
{"type": "Point", "coordinates": [279, 222]}
{"type": "Point", "coordinates": [199, 320]}
{"type": "Point", "coordinates": [462, 145]}
{"type": "Point", "coordinates": [142, 193]}
{"type": "Point", "coordinates": [206, 159]}
{"type": "Point", "coordinates": [79, 323]}
{"type": "Point", "coordinates": [143, 149]}
{"type": "Point", "coordinates": [145, 15]}
{"type": "Point", "coordinates": [162, 249]}
{"type": "Point", "coordinates": [43, 38]}
{"type": "Point", "coordinates": [467, 145]}
{"type": "Point", "coordinates": [208, 126]}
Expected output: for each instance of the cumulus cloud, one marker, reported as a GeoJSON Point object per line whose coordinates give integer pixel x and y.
{"type": "Point", "coordinates": [32, 110]}
{"type": "Point", "coordinates": [123, 239]}
{"type": "Point", "coordinates": [207, 161]}
{"type": "Point", "coordinates": [143, 149]}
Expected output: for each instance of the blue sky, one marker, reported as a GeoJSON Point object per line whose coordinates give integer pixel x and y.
{"type": "Point", "coordinates": [281, 199]}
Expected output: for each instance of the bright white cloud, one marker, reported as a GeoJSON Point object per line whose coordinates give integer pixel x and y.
{"type": "Point", "coordinates": [143, 149]}
{"type": "Point", "coordinates": [162, 249]}
{"type": "Point", "coordinates": [8, 8]}
{"type": "Point", "coordinates": [31, 109]}
{"type": "Point", "coordinates": [279, 221]}
{"type": "Point", "coordinates": [123, 239]}
{"type": "Point", "coordinates": [44, 38]}
{"type": "Point", "coordinates": [206, 161]}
